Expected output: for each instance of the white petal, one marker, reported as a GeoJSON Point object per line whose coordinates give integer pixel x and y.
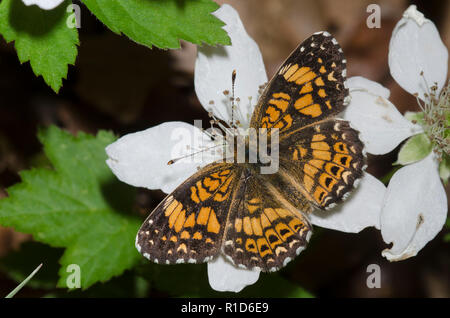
{"type": "Point", "coordinates": [415, 47]}
{"type": "Point", "coordinates": [362, 209]}
{"type": "Point", "coordinates": [214, 66]}
{"type": "Point", "coordinates": [415, 209]}
{"type": "Point", "coordinates": [141, 158]}
{"type": "Point", "coordinates": [359, 83]}
{"type": "Point", "coordinates": [381, 125]}
{"type": "Point", "coordinates": [224, 276]}
{"type": "Point", "coordinates": [44, 4]}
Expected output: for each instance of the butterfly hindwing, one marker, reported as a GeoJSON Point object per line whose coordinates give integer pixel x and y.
{"type": "Point", "coordinates": [321, 162]}
{"type": "Point", "coordinates": [308, 87]}
{"type": "Point", "coordinates": [188, 225]}
{"type": "Point", "coordinates": [265, 231]}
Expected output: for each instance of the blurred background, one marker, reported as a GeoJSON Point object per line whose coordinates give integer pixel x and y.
{"type": "Point", "coordinates": [121, 86]}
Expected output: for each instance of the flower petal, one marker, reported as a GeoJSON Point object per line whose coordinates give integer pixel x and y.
{"type": "Point", "coordinates": [381, 125]}
{"type": "Point", "coordinates": [362, 209]}
{"type": "Point", "coordinates": [224, 276]}
{"type": "Point", "coordinates": [416, 46]}
{"type": "Point", "coordinates": [214, 66]}
{"type": "Point", "coordinates": [141, 158]}
{"type": "Point", "coordinates": [359, 83]}
{"type": "Point", "coordinates": [44, 4]}
{"type": "Point", "coordinates": [415, 209]}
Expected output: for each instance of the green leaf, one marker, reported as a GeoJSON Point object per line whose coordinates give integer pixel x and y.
{"type": "Point", "coordinates": [162, 23]}
{"type": "Point", "coordinates": [416, 148]}
{"type": "Point", "coordinates": [80, 205]}
{"type": "Point", "coordinates": [387, 177]}
{"type": "Point", "coordinates": [444, 168]}
{"type": "Point", "coordinates": [41, 37]}
{"type": "Point", "coordinates": [274, 285]}
{"type": "Point", "coordinates": [447, 238]}
{"type": "Point", "coordinates": [447, 225]}
{"type": "Point", "coordinates": [127, 285]}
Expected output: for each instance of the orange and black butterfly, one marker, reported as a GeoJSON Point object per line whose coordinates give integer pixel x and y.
{"type": "Point", "coordinates": [261, 220]}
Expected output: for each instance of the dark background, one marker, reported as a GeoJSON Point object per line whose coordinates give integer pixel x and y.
{"type": "Point", "coordinates": [121, 86]}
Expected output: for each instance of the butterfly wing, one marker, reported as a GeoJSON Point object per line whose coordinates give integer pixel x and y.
{"type": "Point", "coordinates": [308, 87]}
{"type": "Point", "coordinates": [320, 157]}
{"type": "Point", "coordinates": [265, 231]}
{"type": "Point", "coordinates": [188, 225]}
{"type": "Point", "coordinates": [321, 162]}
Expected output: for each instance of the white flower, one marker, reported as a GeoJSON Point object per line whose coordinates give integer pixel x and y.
{"type": "Point", "coordinates": [44, 4]}
{"type": "Point", "coordinates": [140, 159]}
{"type": "Point", "coordinates": [415, 206]}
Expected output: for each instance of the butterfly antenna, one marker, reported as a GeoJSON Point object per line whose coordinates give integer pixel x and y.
{"type": "Point", "coordinates": [172, 161]}
{"type": "Point", "coordinates": [233, 81]}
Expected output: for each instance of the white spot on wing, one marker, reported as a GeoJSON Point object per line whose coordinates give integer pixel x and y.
{"type": "Point", "coordinates": [308, 236]}
{"type": "Point", "coordinates": [138, 247]}
{"type": "Point", "coordinates": [301, 248]}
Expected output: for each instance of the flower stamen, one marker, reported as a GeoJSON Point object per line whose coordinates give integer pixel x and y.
{"type": "Point", "coordinates": [436, 113]}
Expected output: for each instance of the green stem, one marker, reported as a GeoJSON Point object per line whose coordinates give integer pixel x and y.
{"type": "Point", "coordinates": [18, 288]}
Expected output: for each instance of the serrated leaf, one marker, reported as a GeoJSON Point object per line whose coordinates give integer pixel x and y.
{"type": "Point", "coordinates": [162, 23]}
{"type": "Point", "coordinates": [41, 37]}
{"type": "Point", "coordinates": [79, 205]}
{"type": "Point", "coordinates": [416, 148]}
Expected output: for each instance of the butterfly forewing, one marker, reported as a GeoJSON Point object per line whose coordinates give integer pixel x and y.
{"type": "Point", "coordinates": [188, 225]}
{"type": "Point", "coordinates": [308, 87]}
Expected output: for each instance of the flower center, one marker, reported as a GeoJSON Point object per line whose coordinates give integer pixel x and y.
{"type": "Point", "coordinates": [237, 127]}
{"type": "Point", "coordinates": [227, 135]}
{"type": "Point", "coordinates": [436, 118]}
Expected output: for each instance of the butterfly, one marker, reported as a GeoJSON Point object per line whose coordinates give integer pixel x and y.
{"type": "Point", "coordinates": [261, 220]}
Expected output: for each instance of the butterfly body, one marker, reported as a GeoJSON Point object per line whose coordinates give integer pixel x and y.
{"type": "Point", "coordinates": [260, 220]}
